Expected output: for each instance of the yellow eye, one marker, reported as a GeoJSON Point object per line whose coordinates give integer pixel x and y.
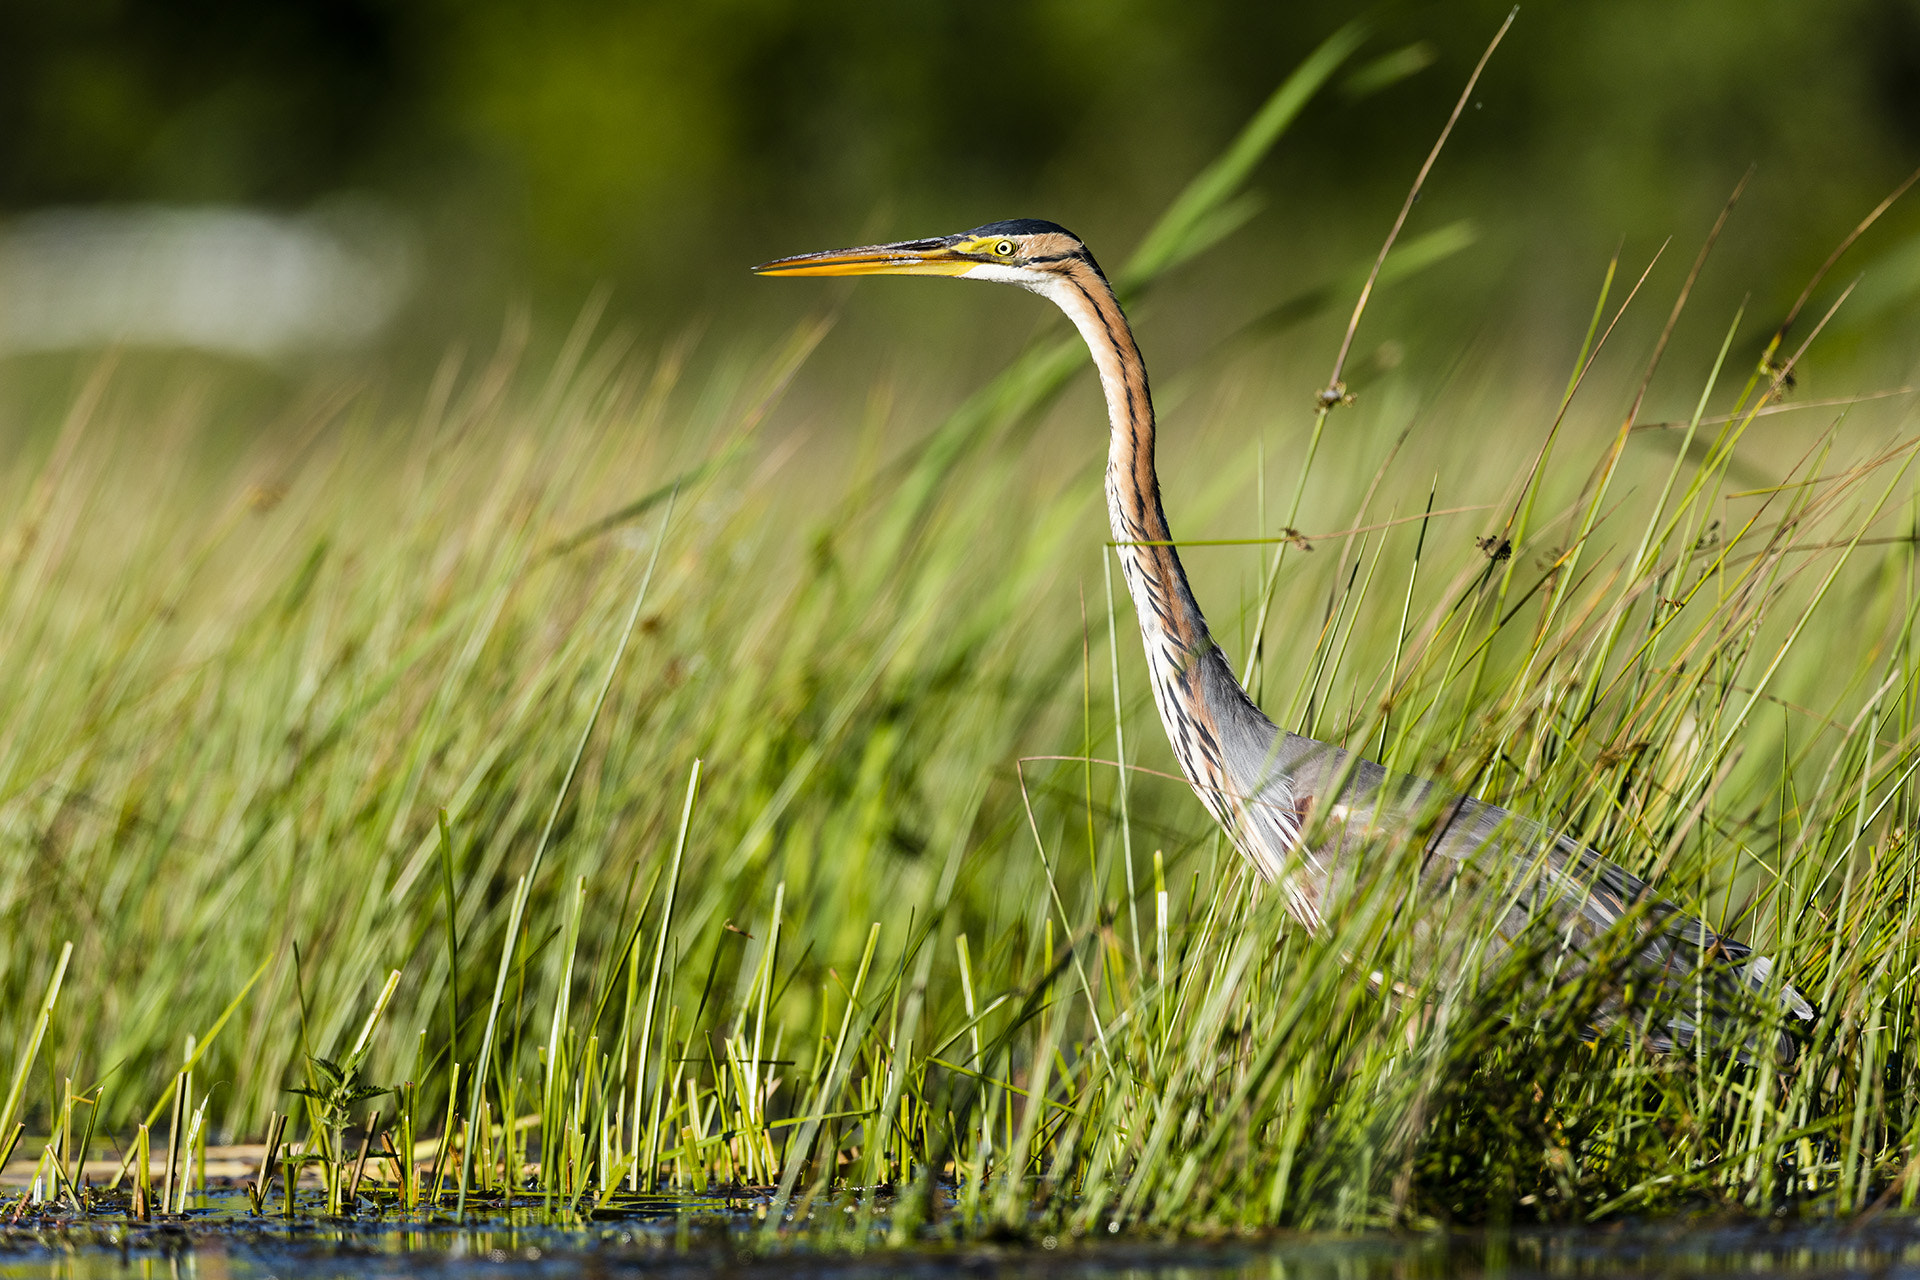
{"type": "Point", "coordinates": [1004, 249]}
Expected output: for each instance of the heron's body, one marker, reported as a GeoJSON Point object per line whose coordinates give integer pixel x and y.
{"type": "Point", "coordinates": [1268, 789]}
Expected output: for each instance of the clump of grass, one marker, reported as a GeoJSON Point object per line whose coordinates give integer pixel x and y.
{"type": "Point", "coordinates": [665, 852]}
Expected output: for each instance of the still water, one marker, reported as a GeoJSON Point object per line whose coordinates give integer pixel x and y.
{"type": "Point", "coordinates": [220, 1239]}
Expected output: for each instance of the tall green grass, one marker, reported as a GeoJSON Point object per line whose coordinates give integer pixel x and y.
{"type": "Point", "coordinates": [654, 805]}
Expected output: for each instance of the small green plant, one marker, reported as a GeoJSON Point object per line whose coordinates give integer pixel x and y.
{"type": "Point", "coordinates": [331, 1105]}
{"type": "Point", "coordinates": [333, 1090]}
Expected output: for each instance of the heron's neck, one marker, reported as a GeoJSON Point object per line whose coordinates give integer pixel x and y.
{"type": "Point", "coordinates": [1222, 741]}
{"type": "Point", "coordinates": [1169, 615]}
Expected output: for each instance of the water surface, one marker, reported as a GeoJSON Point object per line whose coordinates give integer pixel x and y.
{"type": "Point", "coordinates": [220, 1238]}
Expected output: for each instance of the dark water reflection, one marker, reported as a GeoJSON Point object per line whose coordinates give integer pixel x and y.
{"type": "Point", "coordinates": [220, 1240]}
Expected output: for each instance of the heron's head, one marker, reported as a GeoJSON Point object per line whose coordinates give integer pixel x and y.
{"type": "Point", "coordinates": [1025, 251]}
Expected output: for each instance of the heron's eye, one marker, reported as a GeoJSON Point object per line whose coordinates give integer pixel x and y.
{"type": "Point", "coordinates": [1004, 248]}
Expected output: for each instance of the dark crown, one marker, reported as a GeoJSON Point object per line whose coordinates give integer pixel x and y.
{"type": "Point", "coordinates": [1021, 227]}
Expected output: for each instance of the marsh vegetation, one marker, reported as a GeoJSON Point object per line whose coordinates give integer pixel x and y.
{"type": "Point", "coordinates": [620, 795]}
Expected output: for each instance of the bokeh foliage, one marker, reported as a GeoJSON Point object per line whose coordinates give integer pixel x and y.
{"type": "Point", "coordinates": [663, 145]}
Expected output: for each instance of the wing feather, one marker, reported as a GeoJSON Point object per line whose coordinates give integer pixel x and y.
{"type": "Point", "coordinates": [1550, 879]}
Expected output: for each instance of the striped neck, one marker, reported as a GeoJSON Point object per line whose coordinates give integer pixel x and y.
{"type": "Point", "coordinates": [1155, 577]}
{"type": "Point", "coordinates": [1224, 744]}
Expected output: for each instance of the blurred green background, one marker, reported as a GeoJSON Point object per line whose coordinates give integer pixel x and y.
{"type": "Point", "coordinates": [532, 151]}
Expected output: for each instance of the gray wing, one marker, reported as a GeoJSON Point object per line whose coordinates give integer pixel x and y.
{"type": "Point", "coordinates": [1549, 879]}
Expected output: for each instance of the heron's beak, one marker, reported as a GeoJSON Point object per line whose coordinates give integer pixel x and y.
{"type": "Point", "coordinates": [906, 258]}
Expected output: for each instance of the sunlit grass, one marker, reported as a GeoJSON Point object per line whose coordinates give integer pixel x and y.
{"type": "Point", "coordinates": [661, 809]}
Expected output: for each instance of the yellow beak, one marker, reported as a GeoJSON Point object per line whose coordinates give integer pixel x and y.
{"type": "Point", "coordinates": [905, 258]}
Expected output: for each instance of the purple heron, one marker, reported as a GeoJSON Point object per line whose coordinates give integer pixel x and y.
{"type": "Point", "coordinates": [1298, 809]}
